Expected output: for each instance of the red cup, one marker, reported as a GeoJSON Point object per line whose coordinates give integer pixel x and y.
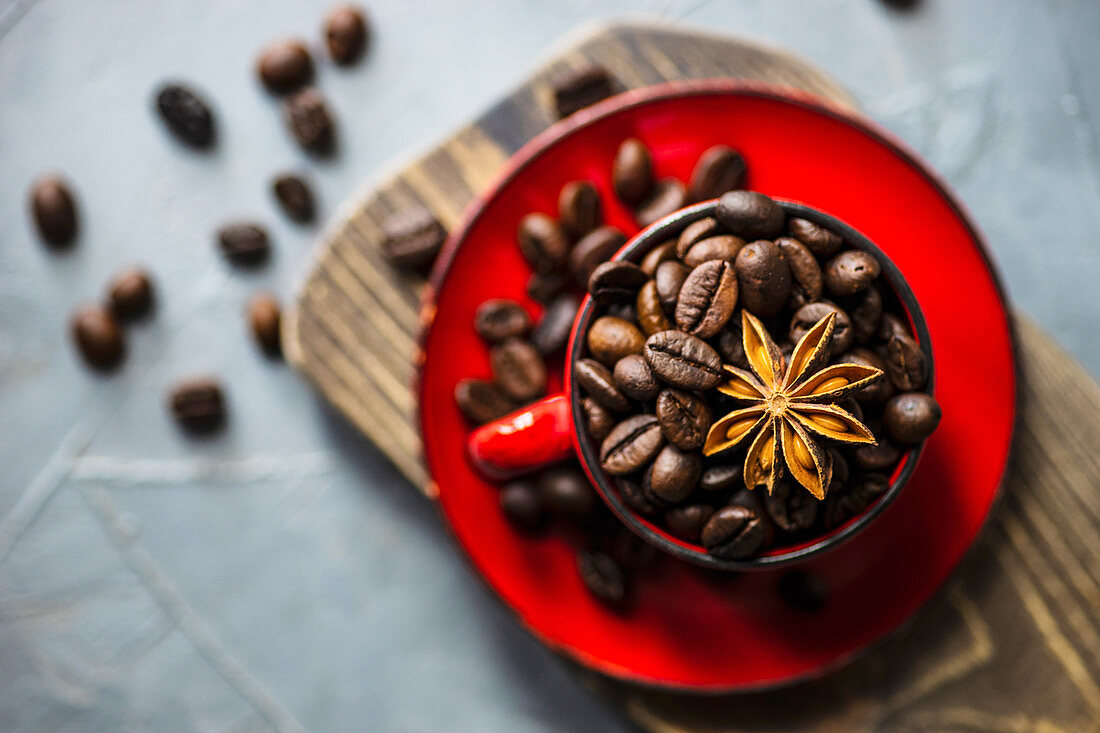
{"type": "Point", "coordinates": [553, 430]}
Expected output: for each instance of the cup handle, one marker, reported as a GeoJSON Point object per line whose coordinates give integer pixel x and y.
{"type": "Point", "coordinates": [524, 441]}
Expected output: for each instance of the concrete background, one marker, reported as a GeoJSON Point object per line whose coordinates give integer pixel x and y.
{"type": "Point", "coordinates": [282, 576]}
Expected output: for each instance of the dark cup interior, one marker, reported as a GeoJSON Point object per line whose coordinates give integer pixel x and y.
{"type": "Point", "coordinates": [633, 251]}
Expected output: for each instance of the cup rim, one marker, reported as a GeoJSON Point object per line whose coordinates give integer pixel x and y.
{"type": "Point", "coordinates": [586, 451]}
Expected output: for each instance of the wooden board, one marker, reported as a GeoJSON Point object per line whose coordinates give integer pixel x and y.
{"type": "Point", "coordinates": [1013, 645]}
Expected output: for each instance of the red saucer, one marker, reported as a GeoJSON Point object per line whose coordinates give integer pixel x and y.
{"type": "Point", "coordinates": [690, 629]}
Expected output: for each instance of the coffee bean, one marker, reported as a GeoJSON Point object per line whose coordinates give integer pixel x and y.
{"type": "Point", "coordinates": [819, 240]}
{"type": "Point", "coordinates": [905, 363]}
{"type": "Point", "coordinates": [791, 507]}
{"type": "Point", "coordinates": [595, 247]}
{"type": "Point", "coordinates": [576, 89]}
{"type": "Point", "coordinates": [720, 478]}
{"type": "Point", "coordinates": [522, 506]}
{"type": "Point", "coordinates": [805, 270]}
{"type": "Point", "coordinates": [684, 418]}
{"type": "Point", "coordinates": [867, 314]}
{"type": "Point", "coordinates": [188, 117]}
{"type": "Point", "coordinates": [723, 247]}
{"type": "Point", "coordinates": [720, 169]}
{"type": "Point", "coordinates": [808, 315]}
{"type": "Point", "coordinates": [632, 172]}
{"type": "Point", "coordinates": [764, 277]}
{"type": "Point", "coordinates": [635, 379]}
{"type": "Point", "coordinates": [346, 33]}
{"type": "Point", "coordinates": [611, 338]}
{"type": "Point", "coordinates": [683, 360]}
{"type": "Point", "coordinates": [542, 242]}
{"type": "Point", "coordinates": [54, 210]}
{"type": "Point", "coordinates": [840, 465]}
{"type": "Point", "coordinates": [615, 282]}
{"type": "Point", "coordinates": [543, 288]}
{"type": "Point", "coordinates": [518, 370]}
{"type": "Point", "coordinates": [413, 237]}
{"type": "Point", "coordinates": [603, 577]}
{"type": "Point", "coordinates": [750, 215]}
{"type": "Point", "coordinates": [687, 522]}
{"type": "Point", "coordinates": [707, 299]}
{"type": "Point", "coordinates": [264, 319]}
{"type": "Point", "coordinates": [632, 444]}
{"type": "Point", "coordinates": [636, 499]}
{"type": "Point", "coordinates": [98, 336]}
{"type": "Point", "coordinates": [285, 65]}
{"type": "Point", "coordinates": [567, 493]}
{"type": "Point", "coordinates": [599, 383]}
{"type": "Point", "coordinates": [675, 473]}
{"type": "Point", "coordinates": [803, 590]}
{"type": "Point", "coordinates": [294, 197]}
{"type": "Point", "coordinates": [695, 232]}
{"type": "Point", "coordinates": [244, 244]}
{"type": "Point", "coordinates": [481, 402]}
{"type": "Point", "coordinates": [842, 506]}
{"type": "Point", "coordinates": [498, 319]}
{"type": "Point", "coordinates": [881, 389]}
{"type": "Point", "coordinates": [733, 532]}
{"type": "Point", "coordinates": [552, 332]}
{"type": "Point", "coordinates": [579, 208]}
{"type": "Point", "coordinates": [877, 457]}
{"type": "Point", "coordinates": [198, 404]}
{"type": "Point", "coordinates": [597, 419]}
{"type": "Point", "coordinates": [667, 195]}
{"type": "Point", "coordinates": [310, 121]}
{"type": "Point", "coordinates": [911, 417]}
{"type": "Point", "coordinates": [650, 313]}
{"type": "Point", "coordinates": [661, 253]}
{"type": "Point", "coordinates": [730, 344]}
{"type": "Point", "coordinates": [131, 294]}
{"type": "Point", "coordinates": [670, 277]}
{"type": "Point", "coordinates": [850, 272]}
{"type": "Point", "coordinates": [892, 326]}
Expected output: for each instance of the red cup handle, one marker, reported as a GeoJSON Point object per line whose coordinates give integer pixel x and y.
{"type": "Point", "coordinates": [526, 440]}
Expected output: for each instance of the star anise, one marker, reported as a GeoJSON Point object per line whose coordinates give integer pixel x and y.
{"type": "Point", "coordinates": [790, 407]}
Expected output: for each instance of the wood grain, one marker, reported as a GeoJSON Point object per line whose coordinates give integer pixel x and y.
{"type": "Point", "coordinates": [1014, 642]}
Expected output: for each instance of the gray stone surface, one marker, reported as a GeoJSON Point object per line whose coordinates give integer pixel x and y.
{"type": "Point", "coordinates": [283, 576]}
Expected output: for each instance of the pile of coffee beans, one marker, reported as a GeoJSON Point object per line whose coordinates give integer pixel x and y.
{"type": "Point", "coordinates": [666, 325]}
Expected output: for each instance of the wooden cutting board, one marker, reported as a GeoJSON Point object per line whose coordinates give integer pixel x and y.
{"type": "Point", "coordinates": [1013, 645]}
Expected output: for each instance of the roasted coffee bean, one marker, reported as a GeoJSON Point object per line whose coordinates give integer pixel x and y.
{"type": "Point", "coordinates": [285, 65]}
{"type": "Point", "coordinates": [481, 402]}
{"type": "Point", "coordinates": [730, 343]}
{"type": "Point", "coordinates": [650, 312]}
{"type": "Point", "coordinates": [723, 247]}
{"type": "Point", "coordinates": [198, 404]}
{"type": "Point", "coordinates": [707, 299]}
{"type": "Point", "coordinates": [750, 215]}
{"type": "Point", "coordinates": [615, 282]}
{"type": "Point", "coordinates": [413, 237]}
{"type": "Point", "coordinates": [684, 417]}
{"type": "Point", "coordinates": [98, 336]}
{"type": "Point", "coordinates": [867, 314]}
{"type": "Point", "coordinates": [734, 532]}
{"type": "Point", "coordinates": [911, 417]}
{"type": "Point", "coordinates": [892, 326]}
{"type": "Point", "coordinates": [630, 550]}
{"type": "Point", "coordinates": [598, 383]}
{"type": "Point", "coordinates": [579, 208]}
{"type": "Point", "coordinates": [498, 319]}
{"type": "Point", "coordinates": [542, 242]}
{"type": "Point", "coordinates": [683, 360]}
{"type": "Point", "coordinates": [294, 197]}
{"type": "Point", "coordinates": [522, 505]}
{"type": "Point", "coordinates": [244, 244]}
{"type": "Point", "coordinates": [603, 577]}
{"type": "Point", "coordinates": [131, 294]}
{"type": "Point", "coordinates": [567, 493]}
{"type": "Point", "coordinates": [720, 169]}
{"type": "Point", "coordinates": [842, 506]}
{"type": "Point", "coordinates": [840, 465]}
{"type": "Point", "coordinates": [905, 363]}
{"type": "Point", "coordinates": [803, 590]}
{"type": "Point", "coordinates": [264, 320]}
{"type": "Point", "coordinates": [808, 315]}
{"type": "Point", "coordinates": [670, 277]}
{"type": "Point", "coordinates": [881, 389]}
{"type": "Point", "coordinates": [668, 195]}
{"type": "Point", "coordinates": [576, 89]}
{"type": "Point", "coordinates": [188, 117]}
{"type": "Point", "coordinates": [661, 253]}
{"type": "Point", "coordinates": [552, 332]}
{"type": "Point", "coordinates": [695, 232]}
{"type": "Point", "coordinates": [878, 457]}
{"type": "Point", "coordinates": [310, 121]}
{"type": "Point", "coordinates": [54, 210]}
{"type": "Point", "coordinates": [636, 499]}
{"type": "Point", "coordinates": [597, 419]}
{"type": "Point", "coordinates": [635, 379]}
{"type": "Point", "coordinates": [544, 288]}
{"type": "Point", "coordinates": [595, 247]}
{"type": "Point", "coordinates": [805, 270]}
{"type": "Point", "coordinates": [346, 33]}
{"type": "Point", "coordinates": [764, 277]}
{"type": "Point", "coordinates": [819, 240]}
{"type": "Point", "coordinates": [631, 445]}
{"type": "Point", "coordinates": [518, 370]}
{"type": "Point", "coordinates": [791, 507]}
{"type": "Point", "coordinates": [687, 522]}
{"type": "Point", "coordinates": [850, 272]}
{"type": "Point", "coordinates": [720, 478]}
{"type": "Point", "coordinates": [675, 474]}
{"type": "Point", "coordinates": [611, 338]}
{"type": "Point", "coordinates": [632, 172]}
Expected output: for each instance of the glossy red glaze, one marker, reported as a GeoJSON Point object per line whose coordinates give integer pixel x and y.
{"type": "Point", "coordinates": [535, 436]}
{"type": "Point", "coordinates": [689, 628]}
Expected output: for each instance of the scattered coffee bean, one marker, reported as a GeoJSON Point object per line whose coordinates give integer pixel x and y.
{"type": "Point", "coordinates": [791, 507]}
{"type": "Point", "coordinates": [850, 272]}
{"type": "Point", "coordinates": [615, 282]}
{"type": "Point", "coordinates": [683, 360]}
{"type": "Point", "coordinates": [877, 457]}
{"type": "Point", "coordinates": [720, 169]}
{"type": "Point", "coordinates": [498, 319]}
{"type": "Point", "coordinates": [720, 478]}
{"type": "Point", "coordinates": [750, 215]}
{"type": "Point", "coordinates": [687, 522]}
{"type": "Point", "coordinates": [346, 34]}
{"type": "Point", "coordinates": [98, 336]}
{"type": "Point", "coordinates": [244, 244]}
{"type": "Point", "coordinates": [481, 402]}
{"type": "Point", "coordinates": [631, 445]}
{"type": "Point", "coordinates": [552, 332]}
{"type": "Point", "coordinates": [694, 232]}
{"type": "Point", "coordinates": [661, 253]}
{"type": "Point", "coordinates": [911, 417]}
{"type": "Point", "coordinates": [542, 242]}
{"type": "Point", "coordinates": [723, 247]}
{"type": "Point", "coordinates": [668, 195]}
{"type": "Point", "coordinates": [733, 532]}
{"type": "Point", "coordinates": [635, 379]}
{"type": "Point", "coordinates": [599, 383]}
{"type": "Point", "coordinates": [188, 117]}
{"type": "Point", "coordinates": [684, 417]}
{"type": "Point", "coordinates": [310, 121]}
{"type": "Point", "coordinates": [198, 404]}
{"type": "Point", "coordinates": [579, 208]}
{"type": "Point", "coordinates": [413, 237]}
{"type": "Point", "coordinates": [670, 277]}
{"type": "Point", "coordinates": [603, 577]}
{"type": "Point", "coordinates": [597, 419]}
{"type": "Point", "coordinates": [905, 363]}
{"type": "Point", "coordinates": [819, 240]}
{"type": "Point", "coordinates": [294, 197]}
{"type": "Point", "coordinates": [522, 506]}
{"type": "Point", "coordinates": [808, 315]}
{"type": "Point", "coordinates": [544, 287]}
{"type": "Point", "coordinates": [285, 65]}
{"type": "Point", "coordinates": [54, 210]}
{"type": "Point", "coordinates": [803, 590]}
{"type": "Point", "coordinates": [264, 318]}
{"type": "Point", "coordinates": [576, 89]}
{"type": "Point", "coordinates": [566, 492]}
{"type": "Point", "coordinates": [611, 338]}
{"type": "Point", "coordinates": [764, 277]}
{"type": "Point", "coordinates": [674, 474]}
{"type": "Point", "coordinates": [131, 294]}
{"type": "Point", "coordinates": [650, 313]}
{"type": "Point", "coordinates": [595, 247]}
{"type": "Point", "coordinates": [881, 389]}
{"type": "Point", "coordinates": [518, 370]}
{"type": "Point", "coordinates": [632, 172]}
{"type": "Point", "coordinates": [808, 278]}
{"type": "Point", "coordinates": [707, 299]}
